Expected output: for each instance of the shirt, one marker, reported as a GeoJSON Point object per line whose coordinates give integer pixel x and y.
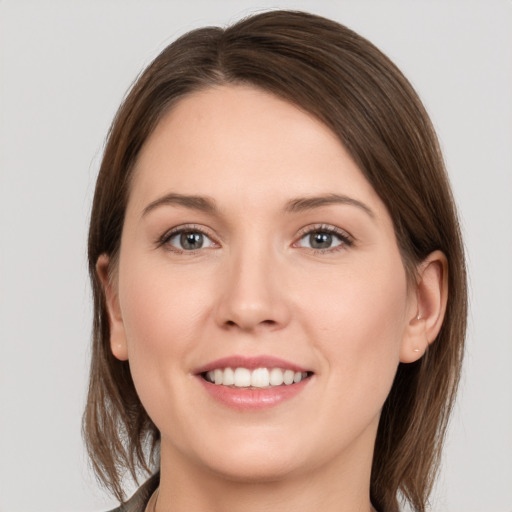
{"type": "Point", "coordinates": [139, 501]}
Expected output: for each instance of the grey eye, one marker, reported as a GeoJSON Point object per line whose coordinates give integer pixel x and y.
{"type": "Point", "coordinates": [190, 240]}
{"type": "Point", "coordinates": [320, 240]}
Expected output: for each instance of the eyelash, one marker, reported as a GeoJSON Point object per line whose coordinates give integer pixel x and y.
{"type": "Point", "coordinates": [345, 238]}
{"type": "Point", "coordinates": [187, 228]}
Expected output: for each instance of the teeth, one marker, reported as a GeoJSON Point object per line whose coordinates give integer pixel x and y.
{"type": "Point", "coordinates": [288, 377]}
{"type": "Point", "coordinates": [242, 378]}
{"type": "Point", "coordinates": [228, 378]}
{"type": "Point", "coordinates": [258, 378]}
{"type": "Point", "coordinates": [276, 377]}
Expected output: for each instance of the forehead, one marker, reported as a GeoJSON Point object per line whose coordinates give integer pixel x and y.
{"type": "Point", "coordinates": [237, 141]}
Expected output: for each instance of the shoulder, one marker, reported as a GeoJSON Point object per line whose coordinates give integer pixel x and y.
{"type": "Point", "coordinates": [138, 502]}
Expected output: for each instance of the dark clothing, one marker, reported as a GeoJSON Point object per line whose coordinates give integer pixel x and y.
{"type": "Point", "coordinates": [138, 502]}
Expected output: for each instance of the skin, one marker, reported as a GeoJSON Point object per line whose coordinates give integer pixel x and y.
{"type": "Point", "coordinates": [346, 313]}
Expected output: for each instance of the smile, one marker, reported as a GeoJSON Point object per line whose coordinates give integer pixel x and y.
{"type": "Point", "coordinates": [258, 378]}
{"type": "Point", "coordinates": [253, 383]}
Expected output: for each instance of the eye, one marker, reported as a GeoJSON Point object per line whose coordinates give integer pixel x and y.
{"type": "Point", "coordinates": [187, 239]}
{"type": "Point", "coordinates": [324, 238]}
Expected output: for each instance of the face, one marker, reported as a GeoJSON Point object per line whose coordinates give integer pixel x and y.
{"type": "Point", "coordinates": [254, 254]}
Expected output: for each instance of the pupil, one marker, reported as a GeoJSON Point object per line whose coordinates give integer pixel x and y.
{"type": "Point", "coordinates": [321, 240]}
{"type": "Point", "coordinates": [191, 240]}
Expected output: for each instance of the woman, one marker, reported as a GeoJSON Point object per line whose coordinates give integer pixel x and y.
{"type": "Point", "coordinates": [279, 283]}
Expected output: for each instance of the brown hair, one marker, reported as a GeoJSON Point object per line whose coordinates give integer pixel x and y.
{"type": "Point", "coordinates": [346, 82]}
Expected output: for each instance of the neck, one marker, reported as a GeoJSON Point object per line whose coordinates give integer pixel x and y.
{"type": "Point", "coordinates": [334, 487]}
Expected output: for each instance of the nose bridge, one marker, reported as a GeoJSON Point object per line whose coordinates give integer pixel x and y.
{"type": "Point", "coordinates": [252, 294]}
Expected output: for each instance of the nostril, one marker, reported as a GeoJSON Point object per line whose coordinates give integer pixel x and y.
{"type": "Point", "coordinates": [269, 323]}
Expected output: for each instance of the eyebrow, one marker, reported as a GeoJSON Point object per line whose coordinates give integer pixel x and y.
{"type": "Point", "coordinates": [204, 204]}
{"type": "Point", "coordinates": [309, 203]}
{"type": "Point", "coordinates": [301, 204]}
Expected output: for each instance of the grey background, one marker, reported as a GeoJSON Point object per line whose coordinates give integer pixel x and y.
{"type": "Point", "coordinates": [64, 67]}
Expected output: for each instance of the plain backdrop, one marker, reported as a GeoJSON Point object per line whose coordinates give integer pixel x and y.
{"type": "Point", "coordinates": [64, 68]}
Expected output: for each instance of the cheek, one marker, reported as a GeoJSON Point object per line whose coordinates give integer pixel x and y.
{"type": "Point", "coordinates": [161, 309]}
{"type": "Point", "coordinates": [358, 323]}
{"type": "Point", "coordinates": [162, 317]}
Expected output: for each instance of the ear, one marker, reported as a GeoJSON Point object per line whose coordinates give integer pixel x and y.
{"type": "Point", "coordinates": [427, 316]}
{"type": "Point", "coordinates": [117, 334]}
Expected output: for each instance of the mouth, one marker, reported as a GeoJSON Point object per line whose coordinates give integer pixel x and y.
{"type": "Point", "coordinates": [253, 383]}
{"type": "Point", "coordinates": [257, 378]}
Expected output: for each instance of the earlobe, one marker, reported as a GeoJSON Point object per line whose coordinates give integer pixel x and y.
{"type": "Point", "coordinates": [118, 344]}
{"type": "Point", "coordinates": [431, 298]}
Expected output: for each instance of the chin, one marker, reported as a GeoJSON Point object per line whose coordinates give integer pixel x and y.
{"type": "Point", "coordinates": [252, 458]}
{"type": "Point", "coordinates": [265, 469]}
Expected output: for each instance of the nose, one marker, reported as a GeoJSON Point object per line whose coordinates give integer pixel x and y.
{"type": "Point", "coordinates": [253, 293]}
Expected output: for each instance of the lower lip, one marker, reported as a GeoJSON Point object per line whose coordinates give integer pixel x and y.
{"type": "Point", "coordinates": [253, 399]}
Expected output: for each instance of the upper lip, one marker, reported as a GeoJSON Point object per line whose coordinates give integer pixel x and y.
{"type": "Point", "coordinates": [251, 363]}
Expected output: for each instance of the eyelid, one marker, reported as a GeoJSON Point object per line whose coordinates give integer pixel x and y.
{"type": "Point", "coordinates": [176, 230]}
{"type": "Point", "coordinates": [347, 239]}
